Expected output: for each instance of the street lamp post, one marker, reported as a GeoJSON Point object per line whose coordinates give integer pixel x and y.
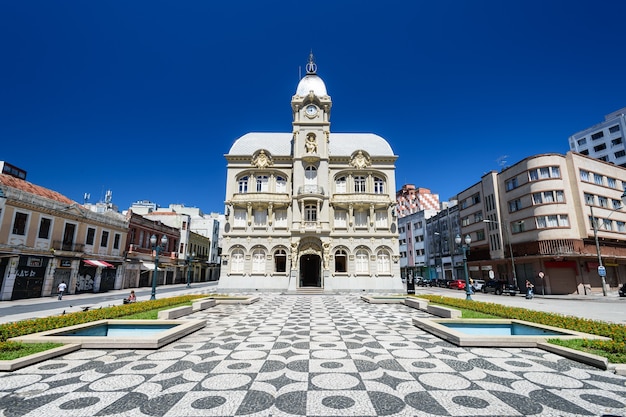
{"type": "Point", "coordinates": [157, 249]}
{"type": "Point", "coordinates": [189, 262]}
{"type": "Point", "coordinates": [465, 248]}
{"type": "Point", "coordinates": [440, 258]}
{"type": "Point", "coordinates": [594, 223]}
{"type": "Point", "coordinates": [508, 238]}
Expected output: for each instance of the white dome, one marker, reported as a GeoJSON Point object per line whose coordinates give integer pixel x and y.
{"type": "Point", "coordinates": [311, 82]}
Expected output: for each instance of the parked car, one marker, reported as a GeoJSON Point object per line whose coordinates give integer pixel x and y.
{"type": "Point", "coordinates": [478, 284]}
{"type": "Point", "coordinates": [458, 284]}
{"type": "Point", "coordinates": [500, 287]}
{"type": "Point", "coordinates": [425, 282]}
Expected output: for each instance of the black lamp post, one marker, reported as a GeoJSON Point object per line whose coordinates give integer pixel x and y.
{"type": "Point", "coordinates": [594, 223]}
{"type": "Point", "coordinates": [157, 249]}
{"type": "Point", "coordinates": [465, 248]}
{"type": "Point", "coordinates": [189, 262]}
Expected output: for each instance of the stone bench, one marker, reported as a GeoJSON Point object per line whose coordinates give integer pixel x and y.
{"type": "Point", "coordinates": [174, 313]}
{"type": "Point", "coordinates": [203, 304]}
{"type": "Point", "coordinates": [418, 303]}
{"type": "Point", "coordinates": [445, 312]}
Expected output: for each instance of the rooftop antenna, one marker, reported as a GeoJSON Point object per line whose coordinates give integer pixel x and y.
{"type": "Point", "coordinates": [502, 161]}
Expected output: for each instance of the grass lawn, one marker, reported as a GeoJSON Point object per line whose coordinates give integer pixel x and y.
{"type": "Point", "coordinates": [16, 350]}
{"type": "Point", "coordinates": [152, 314]}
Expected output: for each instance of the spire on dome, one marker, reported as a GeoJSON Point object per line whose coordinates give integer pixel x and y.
{"type": "Point", "coordinates": [311, 66]}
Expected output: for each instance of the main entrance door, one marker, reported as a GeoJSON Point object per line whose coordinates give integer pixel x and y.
{"type": "Point", "coordinates": [310, 267]}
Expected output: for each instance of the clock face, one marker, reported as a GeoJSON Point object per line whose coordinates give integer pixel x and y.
{"type": "Point", "coordinates": [311, 110]}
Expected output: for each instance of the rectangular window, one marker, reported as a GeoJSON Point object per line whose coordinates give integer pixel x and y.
{"type": "Point", "coordinates": [262, 184]}
{"type": "Point", "coordinates": [480, 234]}
{"type": "Point", "coordinates": [360, 218]}
{"type": "Point", "coordinates": [19, 223]}
{"type": "Point", "coordinates": [281, 218]}
{"type": "Point", "coordinates": [260, 217]}
{"type": "Point", "coordinates": [548, 196]}
{"type": "Point", "coordinates": [515, 205]}
{"type": "Point", "coordinates": [511, 184]}
{"type": "Point", "coordinates": [584, 152]}
{"type": "Point", "coordinates": [597, 136]}
{"type": "Point", "coordinates": [310, 213]}
{"type": "Point", "coordinates": [544, 172]}
{"type": "Point", "coordinates": [582, 141]}
{"type": "Point", "coordinates": [537, 198]}
{"type": "Point", "coordinates": [600, 147]}
{"type": "Point", "coordinates": [616, 141]}
{"type": "Point", "coordinates": [584, 175]}
{"type": "Point", "coordinates": [116, 241]}
{"type": "Point", "coordinates": [104, 241]}
{"type": "Point", "coordinates": [560, 197]}
{"type": "Point", "coordinates": [611, 182]}
{"type": "Point", "coordinates": [359, 184]}
{"type": "Point", "coordinates": [590, 199]}
{"type": "Point", "coordinates": [603, 201]}
{"type": "Point", "coordinates": [381, 219]}
{"type": "Point", "coordinates": [533, 175]}
{"type": "Point", "coordinates": [340, 185]}
{"type": "Point", "coordinates": [614, 129]}
{"type": "Point", "coordinates": [239, 218]}
{"type": "Point", "coordinates": [597, 178]}
{"type": "Point", "coordinates": [607, 224]}
{"type": "Point", "coordinates": [44, 228]}
{"type": "Point", "coordinates": [91, 235]}
{"type": "Point", "coordinates": [620, 154]}
{"type": "Point", "coordinates": [621, 226]}
{"type": "Point", "coordinates": [341, 219]}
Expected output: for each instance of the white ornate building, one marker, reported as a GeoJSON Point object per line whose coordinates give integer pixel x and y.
{"type": "Point", "coordinates": [310, 209]}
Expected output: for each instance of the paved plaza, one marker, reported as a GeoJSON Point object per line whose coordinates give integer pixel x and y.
{"type": "Point", "coordinates": [321, 355]}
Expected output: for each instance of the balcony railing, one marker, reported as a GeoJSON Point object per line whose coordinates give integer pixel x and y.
{"type": "Point", "coordinates": [311, 189]}
{"type": "Point", "coordinates": [68, 246]}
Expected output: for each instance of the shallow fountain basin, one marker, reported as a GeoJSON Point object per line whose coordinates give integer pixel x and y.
{"type": "Point", "coordinates": [119, 334]}
{"type": "Point", "coordinates": [496, 332]}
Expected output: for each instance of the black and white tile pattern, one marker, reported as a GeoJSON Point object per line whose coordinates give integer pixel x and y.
{"type": "Point", "coordinates": [311, 356]}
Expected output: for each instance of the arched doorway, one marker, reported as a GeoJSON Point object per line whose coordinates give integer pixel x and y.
{"type": "Point", "coordinates": [310, 267]}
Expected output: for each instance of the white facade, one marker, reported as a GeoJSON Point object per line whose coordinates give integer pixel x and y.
{"type": "Point", "coordinates": [310, 208]}
{"type": "Point", "coordinates": [604, 141]}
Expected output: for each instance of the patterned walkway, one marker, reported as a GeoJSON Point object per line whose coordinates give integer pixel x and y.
{"type": "Point", "coordinates": [311, 356]}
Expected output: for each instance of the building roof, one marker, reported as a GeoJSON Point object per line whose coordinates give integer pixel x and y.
{"type": "Point", "coordinates": [23, 185]}
{"type": "Point", "coordinates": [340, 144]}
{"type": "Point", "coordinates": [311, 82]}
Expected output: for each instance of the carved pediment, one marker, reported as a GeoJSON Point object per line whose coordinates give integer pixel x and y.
{"type": "Point", "coordinates": [360, 160]}
{"type": "Point", "coordinates": [262, 160]}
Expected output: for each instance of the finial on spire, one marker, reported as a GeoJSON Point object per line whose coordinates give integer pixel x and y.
{"type": "Point", "coordinates": [311, 67]}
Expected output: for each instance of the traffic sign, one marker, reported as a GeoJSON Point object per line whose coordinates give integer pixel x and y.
{"type": "Point", "coordinates": [601, 271]}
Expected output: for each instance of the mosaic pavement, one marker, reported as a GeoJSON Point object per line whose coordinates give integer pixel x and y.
{"type": "Point", "coordinates": [311, 356]}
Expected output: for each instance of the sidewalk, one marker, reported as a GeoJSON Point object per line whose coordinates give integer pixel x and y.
{"type": "Point", "coordinates": [49, 306]}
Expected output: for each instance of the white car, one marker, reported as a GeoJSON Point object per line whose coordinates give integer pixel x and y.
{"type": "Point", "coordinates": [478, 284]}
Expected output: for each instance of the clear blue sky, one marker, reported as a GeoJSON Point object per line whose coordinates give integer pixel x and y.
{"type": "Point", "coordinates": [145, 97]}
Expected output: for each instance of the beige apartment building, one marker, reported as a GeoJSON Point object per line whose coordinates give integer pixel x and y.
{"type": "Point", "coordinates": [310, 209]}
{"type": "Point", "coordinates": [535, 221]}
{"type": "Point", "coordinates": [46, 238]}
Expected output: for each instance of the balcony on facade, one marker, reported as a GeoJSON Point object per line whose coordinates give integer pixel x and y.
{"type": "Point", "coordinates": [277, 200]}
{"type": "Point", "coordinates": [344, 200]}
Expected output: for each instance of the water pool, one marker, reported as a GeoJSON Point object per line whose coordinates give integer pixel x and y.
{"type": "Point", "coordinates": [119, 330]}
{"type": "Point", "coordinates": [503, 329]}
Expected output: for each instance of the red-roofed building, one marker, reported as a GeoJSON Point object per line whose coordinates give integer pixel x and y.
{"type": "Point", "coordinates": [47, 238]}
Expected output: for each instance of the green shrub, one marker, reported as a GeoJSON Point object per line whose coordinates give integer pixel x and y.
{"type": "Point", "coordinates": [20, 328]}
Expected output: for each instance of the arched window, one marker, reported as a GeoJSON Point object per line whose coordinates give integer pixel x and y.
{"type": "Point", "coordinates": [361, 262]}
{"type": "Point", "coordinates": [341, 261]}
{"type": "Point", "coordinates": [379, 186]}
{"type": "Point", "coordinates": [340, 185]}
{"type": "Point", "coordinates": [258, 261]}
{"type": "Point", "coordinates": [359, 184]}
{"type": "Point", "coordinates": [281, 185]}
{"type": "Point", "coordinates": [237, 262]}
{"type": "Point", "coordinates": [243, 184]}
{"type": "Point", "coordinates": [383, 261]}
{"type": "Point", "coordinates": [280, 261]}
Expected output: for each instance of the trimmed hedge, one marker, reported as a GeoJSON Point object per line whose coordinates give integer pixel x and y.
{"type": "Point", "coordinates": [23, 327]}
{"type": "Point", "coordinates": [617, 332]}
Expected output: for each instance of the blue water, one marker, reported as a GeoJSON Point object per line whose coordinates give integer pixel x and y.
{"type": "Point", "coordinates": [501, 329]}
{"type": "Point", "coordinates": [119, 330]}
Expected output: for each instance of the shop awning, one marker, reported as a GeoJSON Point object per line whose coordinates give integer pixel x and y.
{"type": "Point", "coordinates": [148, 266]}
{"type": "Point", "coordinates": [99, 264]}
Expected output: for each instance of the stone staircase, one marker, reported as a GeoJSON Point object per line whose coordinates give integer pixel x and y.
{"type": "Point", "coordinates": [309, 290]}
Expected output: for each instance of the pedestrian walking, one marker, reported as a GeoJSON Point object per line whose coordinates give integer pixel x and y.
{"type": "Point", "coordinates": [529, 289]}
{"type": "Point", "coordinates": [62, 288]}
